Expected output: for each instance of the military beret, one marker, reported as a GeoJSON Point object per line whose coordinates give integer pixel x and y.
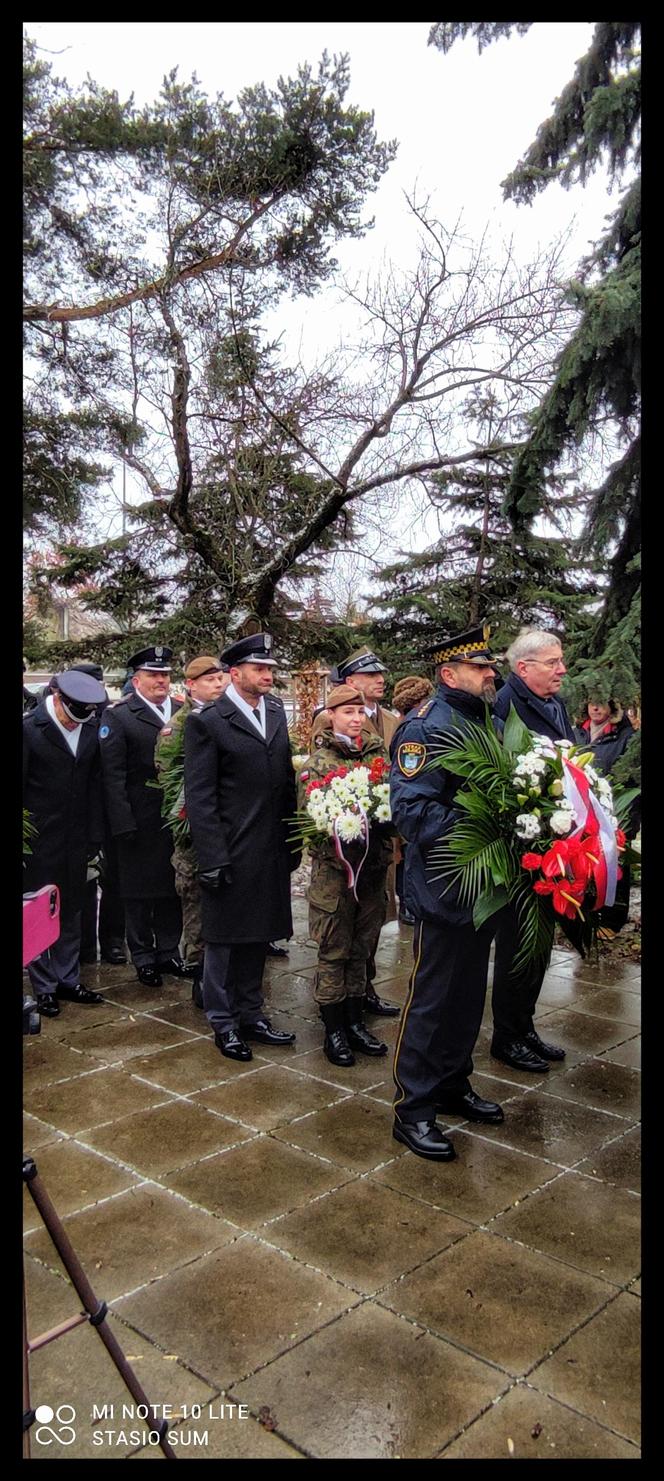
{"type": "Point", "coordinates": [344, 694]}
{"type": "Point", "coordinates": [80, 695]}
{"type": "Point", "coordinates": [254, 649]}
{"type": "Point", "coordinates": [201, 666]}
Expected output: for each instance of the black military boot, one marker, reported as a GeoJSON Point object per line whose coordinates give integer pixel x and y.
{"type": "Point", "coordinates": [197, 986]}
{"type": "Point", "coordinates": [358, 1033]}
{"type": "Point", "coordinates": [373, 1004]}
{"type": "Point", "coordinates": [335, 1044]}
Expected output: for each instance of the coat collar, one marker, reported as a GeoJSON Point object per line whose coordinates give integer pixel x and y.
{"type": "Point", "coordinates": [41, 717]}
{"type": "Point", "coordinates": [143, 711]}
{"type": "Point", "coordinates": [273, 715]}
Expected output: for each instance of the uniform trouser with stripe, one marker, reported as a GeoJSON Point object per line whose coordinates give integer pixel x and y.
{"type": "Point", "coordinates": [442, 1016]}
{"type": "Point", "coordinates": [233, 984]}
{"type": "Point", "coordinates": [60, 964]}
{"type": "Point", "coordinates": [514, 997]}
{"type": "Point", "coordinates": [154, 928]}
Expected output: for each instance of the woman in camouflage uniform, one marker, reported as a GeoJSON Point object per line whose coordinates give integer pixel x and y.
{"type": "Point", "coordinates": [345, 929]}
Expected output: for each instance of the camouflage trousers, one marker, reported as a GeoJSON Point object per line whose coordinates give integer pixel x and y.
{"type": "Point", "coordinates": [345, 930]}
{"type": "Point", "coordinates": [186, 883]}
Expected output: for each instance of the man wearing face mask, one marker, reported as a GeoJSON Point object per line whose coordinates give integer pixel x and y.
{"type": "Point", "coordinates": [443, 1011]}
{"type": "Point", "coordinates": [62, 794]}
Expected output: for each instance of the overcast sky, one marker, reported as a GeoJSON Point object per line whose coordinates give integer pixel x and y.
{"type": "Point", "coordinates": [462, 121]}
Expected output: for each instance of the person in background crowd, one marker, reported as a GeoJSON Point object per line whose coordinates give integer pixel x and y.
{"type": "Point", "coordinates": [443, 1011]}
{"type": "Point", "coordinates": [239, 795]}
{"type": "Point", "coordinates": [537, 671]}
{"type": "Point", "coordinates": [204, 681]}
{"type": "Point", "coordinates": [607, 732]}
{"type": "Point", "coordinates": [345, 929]}
{"type": "Point", "coordinates": [62, 794]}
{"type": "Point", "coordinates": [105, 915]}
{"type": "Point", "coordinates": [366, 673]}
{"type": "Point", "coordinates": [128, 736]}
{"type": "Point", "coordinates": [30, 700]}
{"type": "Point", "coordinates": [408, 694]}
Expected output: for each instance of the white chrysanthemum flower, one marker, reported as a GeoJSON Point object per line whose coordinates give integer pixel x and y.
{"type": "Point", "coordinates": [382, 813]}
{"type": "Point", "coordinates": [564, 745]}
{"type": "Point", "coordinates": [382, 791]}
{"type": "Point", "coordinates": [544, 746]}
{"type": "Point", "coordinates": [561, 821]}
{"type": "Point", "coordinates": [350, 826]}
{"type": "Point", "coordinates": [527, 825]}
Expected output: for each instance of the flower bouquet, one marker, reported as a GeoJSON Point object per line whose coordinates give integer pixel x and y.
{"type": "Point", "coordinates": [539, 829]}
{"type": "Point", "coordinates": [343, 806]}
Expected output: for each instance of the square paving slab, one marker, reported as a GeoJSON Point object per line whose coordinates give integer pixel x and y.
{"type": "Point", "coordinates": [582, 1222]}
{"type": "Point", "coordinates": [364, 1234]}
{"type": "Point", "coordinates": [134, 1237]}
{"type": "Point", "coordinates": [580, 1034]}
{"type": "Point", "coordinates": [356, 1133]}
{"type": "Point", "coordinates": [484, 1179]}
{"type": "Point", "coordinates": [93, 1098]}
{"type": "Point", "coordinates": [46, 1061]}
{"type": "Point", "coordinates": [74, 1177]}
{"type": "Point", "coordinates": [608, 1087]}
{"type": "Point", "coordinates": [597, 1370]}
{"type": "Point", "coordinates": [628, 1053]}
{"type": "Point", "coordinates": [272, 1097]}
{"type": "Point", "coordinates": [368, 1070]}
{"type": "Point", "coordinates": [613, 1002]}
{"type": "Point", "coordinates": [398, 1393]}
{"type": "Point", "coordinates": [548, 1126]}
{"type": "Point", "coordinates": [235, 1310]}
{"type": "Point", "coordinates": [618, 1162]}
{"type": "Point", "coordinates": [120, 1041]}
{"type": "Point", "coordinates": [498, 1300]}
{"type": "Point", "coordinates": [186, 1068]}
{"type": "Point", "coordinates": [538, 1429]}
{"type": "Point", "coordinates": [170, 1136]}
{"type": "Point", "coordinates": [256, 1181]}
{"type": "Point", "coordinates": [37, 1134]}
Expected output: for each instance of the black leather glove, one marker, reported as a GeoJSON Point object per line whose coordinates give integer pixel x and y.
{"type": "Point", "coordinates": [212, 879]}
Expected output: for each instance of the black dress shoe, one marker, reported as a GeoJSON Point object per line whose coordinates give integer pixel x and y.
{"type": "Point", "coordinates": [263, 1032]}
{"type": "Point", "coordinates": [545, 1051]}
{"type": "Point", "coordinates": [232, 1045]}
{"type": "Point", "coordinates": [115, 956]}
{"type": "Point", "coordinates": [273, 950]}
{"type": "Point", "coordinates": [47, 1005]}
{"type": "Point", "coordinates": [149, 976]}
{"type": "Point", "coordinates": [79, 994]}
{"type": "Point", "coordinates": [425, 1139]}
{"type": "Point", "coordinates": [175, 967]}
{"type": "Point", "coordinates": [520, 1056]}
{"type": "Point", "coordinates": [467, 1103]}
{"type": "Point", "coordinates": [373, 1004]}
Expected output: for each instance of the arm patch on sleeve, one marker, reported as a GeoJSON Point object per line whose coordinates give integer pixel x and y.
{"type": "Point", "coordinates": [411, 757]}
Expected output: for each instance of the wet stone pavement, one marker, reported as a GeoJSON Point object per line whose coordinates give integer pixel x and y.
{"type": "Point", "coordinates": [263, 1241]}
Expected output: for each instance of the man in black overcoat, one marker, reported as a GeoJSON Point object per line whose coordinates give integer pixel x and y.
{"type": "Point", "coordinates": [537, 671]}
{"type": "Point", "coordinates": [62, 794]}
{"type": "Point", "coordinates": [240, 793]}
{"type": "Point", "coordinates": [128, 736]}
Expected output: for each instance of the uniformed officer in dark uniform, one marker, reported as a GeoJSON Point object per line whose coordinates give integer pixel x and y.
{"type": "Point", "coordinates": [443, 1011]}
{"type": "Point", "coordinates": [111, 908]}
{"type": "Point", "coordinates": [62, 793]}
{"type": "Point", "coordinates": [240, 795]}
{"type": "Point", "coordinates": [128, 736]}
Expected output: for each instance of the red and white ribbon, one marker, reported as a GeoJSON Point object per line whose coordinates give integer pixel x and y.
{"type": "Point", "coordinates": [591, 817]}
{"type": "Point", "coordinates": [352, 875]}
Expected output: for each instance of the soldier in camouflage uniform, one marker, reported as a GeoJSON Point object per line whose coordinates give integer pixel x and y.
{"type": "Point", "coordinates": [346, 930]}
{"type": "Point", "coordinates": [205, 679]}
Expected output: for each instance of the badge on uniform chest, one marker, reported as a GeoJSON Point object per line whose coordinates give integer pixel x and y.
{"type": "Point", "coordinates": [411, 757]}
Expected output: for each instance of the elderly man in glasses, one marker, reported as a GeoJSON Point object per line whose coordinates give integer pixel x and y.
{"type": "Point", "coordinates": [537, 672]}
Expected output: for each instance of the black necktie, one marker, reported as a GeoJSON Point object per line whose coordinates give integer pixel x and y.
{"type": "Point", "coordinates": [257, 716]}
{"type": "Point", "coordinates": [161, 709]}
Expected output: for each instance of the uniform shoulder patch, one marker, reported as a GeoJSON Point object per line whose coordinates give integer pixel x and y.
{"type": "Point", "coordinates": [424, 709]}
{"type": "Point", "coordinates": [411, 756]}
{"type": "Point", "coordinates": [104, 730]}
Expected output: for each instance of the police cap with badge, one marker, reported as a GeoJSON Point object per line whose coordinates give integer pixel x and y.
{"type": "Point", "coordinates": [156, 659]}
{"type": "Point", "coordinates": [80, 695]}
{"type": "Point", "coordinates": [468, 647]}
{"type": "Point", "coordinates": [361, 662]}
{"type": "Point", "coordinates": [257, 648]}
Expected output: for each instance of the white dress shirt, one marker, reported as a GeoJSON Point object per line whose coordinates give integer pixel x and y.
{"type": "Point", "coordinates": [72, 737]}
{"type": "Point", "coordinates": [245, 707]}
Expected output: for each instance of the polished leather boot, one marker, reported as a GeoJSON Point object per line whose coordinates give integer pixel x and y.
{"type": "Point", "coordinates": [335, 1044]}
{"type": "Point", "coordinates": [373, 1004]}
{"type": "Point", "coordinates": [467, 1103]}
{"type": "Point", "coordinates": [357, 1031]}
{"type": "Point", "coordinates": [425, 1139]}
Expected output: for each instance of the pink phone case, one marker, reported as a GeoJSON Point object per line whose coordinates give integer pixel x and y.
{"type": "Point", "coordinates": [41, 921]}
